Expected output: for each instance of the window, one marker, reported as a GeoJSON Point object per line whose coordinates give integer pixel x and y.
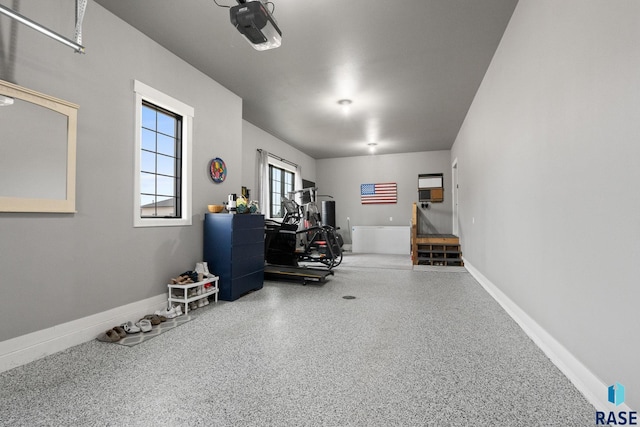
{"type": "Point", "coordinates": [163, 158]}
{"type": "Point", "coordinates": [281, 183]}
{"type": "Point", "coordinates": [160, 163]}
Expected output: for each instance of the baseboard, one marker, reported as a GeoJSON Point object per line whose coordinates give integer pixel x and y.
{"type": "Point", "coordinates": [27, 348]}
{"type": "Point", "coordinates": [591, 387]}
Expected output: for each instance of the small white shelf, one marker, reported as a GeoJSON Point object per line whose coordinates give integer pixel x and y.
{"type": "Point", "coordinates": [186, 299]}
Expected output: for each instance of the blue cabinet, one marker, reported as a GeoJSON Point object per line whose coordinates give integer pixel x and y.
{"type": "Point", "coordinates": [234, 251]}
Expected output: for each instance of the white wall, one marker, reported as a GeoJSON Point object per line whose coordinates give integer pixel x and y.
{"type": "Point", "coordinates": [59, 268]}
{"type": "Point", "coordinates": [254, 138]}
{"type": "Point", "coordinates": [549, 158]}
{"type": "Point", "coordinates": [342, 178]}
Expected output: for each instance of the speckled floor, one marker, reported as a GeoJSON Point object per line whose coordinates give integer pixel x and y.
{"type": "Point", "coordinates": [414, 348]}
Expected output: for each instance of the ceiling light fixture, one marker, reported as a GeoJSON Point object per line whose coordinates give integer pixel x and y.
{"type": "Point", "coordinates": [372, 147]}
{"type": "Point", "coordinates": [345, 104]}
{"type": "Point", "coordinates": [256, 24]}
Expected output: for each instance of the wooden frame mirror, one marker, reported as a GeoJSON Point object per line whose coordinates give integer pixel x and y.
{"type": "Point", "coordinates": [37, 151]}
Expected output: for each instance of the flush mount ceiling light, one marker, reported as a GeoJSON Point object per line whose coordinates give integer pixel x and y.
{"type": "Point", "coordinates": [372, 147]}
{"type": "Point", "coordinates": [345, 105]}
{"type": "Point", "coordinates": [256, 24]}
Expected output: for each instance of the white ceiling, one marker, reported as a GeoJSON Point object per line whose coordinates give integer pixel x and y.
{"type": "Point", "coordinates": [411, 67]}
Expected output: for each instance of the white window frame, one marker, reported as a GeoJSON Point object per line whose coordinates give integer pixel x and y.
{"type": "Point", "coordinates": [282, 165]}
{"type": "Point", "coordinates": [149, 94]}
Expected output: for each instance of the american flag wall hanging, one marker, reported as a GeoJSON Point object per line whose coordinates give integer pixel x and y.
{"type": "Point", "coordinates": [378, 193]}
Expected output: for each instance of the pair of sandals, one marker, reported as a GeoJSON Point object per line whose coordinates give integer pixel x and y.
{"type": "Point", "coordinates": [155, 319]}
{"type": "Point", "coordinates": [112, 335]}
{"type": "Point", "coordinates": [143, 325]}
{"type": "Point", "coordinates": [116, 333]}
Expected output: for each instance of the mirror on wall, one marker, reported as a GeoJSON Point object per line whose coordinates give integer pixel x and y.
{"type": "Point", "coordinates": [37, 151]}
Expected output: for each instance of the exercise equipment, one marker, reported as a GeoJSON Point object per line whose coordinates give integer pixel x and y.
{"type": "Point", "coordinates": [301, 237]}
{"type": "Point", "coordinates": [296, 274]}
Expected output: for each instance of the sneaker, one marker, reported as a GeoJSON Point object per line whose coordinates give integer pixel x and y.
{"type": "Point", "coordinates": [200, 271]}
{"type": "Point", "coordinates": [169, 314]}
{"type": "Point", "coordinates": [199, 267]}
{"type": "Point", "coordinates": [201, 303]}
{"type": "Point", "coordinates": [178, 309]}
{"type": "Point", "coordinates": [144, 325]}
{"type": "Point", "coordinates": [207, 273]}
{"type": "Point", "coordinates": [130, 327]}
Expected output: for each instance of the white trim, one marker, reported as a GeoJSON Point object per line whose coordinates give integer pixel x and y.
{"type": "Point", "coordinates": [587, 383]}
{"type": "Point", "coordinates": [282, 165]}
{"type": "Point", "coordinates": [142, 91]}
{"type": "Point", "coordinates": [36, 345]}
{"type": "Point", "coordinates": [455, 228]}
{"type": "Point", "coordinates": [272, 161]}
{"type": "Point", "coordinates": [162, 100]}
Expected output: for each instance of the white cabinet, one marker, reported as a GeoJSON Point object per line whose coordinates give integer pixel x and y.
{"type": "Point", "coordinates": [185, 294]}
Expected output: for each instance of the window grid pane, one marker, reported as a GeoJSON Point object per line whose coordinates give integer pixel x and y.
{"type": "Point", "coordinates": [148, 140]}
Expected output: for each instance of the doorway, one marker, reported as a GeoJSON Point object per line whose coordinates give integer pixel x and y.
{"type": "Point", "coordinates": [454, 198]}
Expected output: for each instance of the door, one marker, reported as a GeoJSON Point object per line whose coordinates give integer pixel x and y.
{"type": "Point", "coordinates": [454, 175]}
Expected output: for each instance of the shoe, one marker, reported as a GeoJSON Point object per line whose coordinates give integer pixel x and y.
{"type": "Point", "coordinates": [109, 336]}
{"type": "Point", "coordinates": [130, 328]}
{"type": "Point", "coordinates": [206, 301]}
{"type": "Point", "coordinates": [154, 319]}
{"type": "Point", "coordinates": [178, 310]}
{"type": "Point", "coordinates": [200, 271]}
{"type": "Point", "coordinates": [201, 303]}
{"type": "Point", "coordinates": [207, 273]}
{"type": "Point", "coordinates": [192, 275]}
{"type": "Point", "coordinates": [193, 305]}
{"type": "Point", "coordinates": [184, 278]}
{"type": "Point", "coordinates": [120, 331]}
{"type": "Point", "coordinates": [177, 280]}
{"type": "Point", "coordinates": [169, 314]}
{"type": "Point", "coordinates": [144, 325]}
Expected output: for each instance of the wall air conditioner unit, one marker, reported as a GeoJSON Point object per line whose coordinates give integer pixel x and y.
{"type": "Point", "coordinates": [430, 188]}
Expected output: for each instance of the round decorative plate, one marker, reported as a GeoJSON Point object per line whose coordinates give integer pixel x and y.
{"type": "Point", "coordinates": [217, 170]}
